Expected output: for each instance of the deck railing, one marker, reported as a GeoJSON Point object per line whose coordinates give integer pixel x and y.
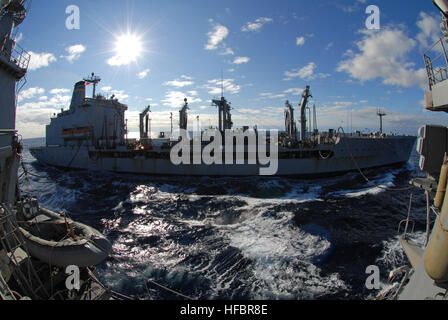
{"type": "Point", "coordinates": [18, 55]}
{"type": "Point", "coordinates": [437, 67]}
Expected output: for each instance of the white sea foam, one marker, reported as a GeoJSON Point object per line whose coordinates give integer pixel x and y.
{"type": "Point", "coordinates": [273, 258]}
{"type": "Point", "coordinates": [378, 185]}
{"type": "Point", "coordinates": [282, 256]}
{"type": "Point", "coordinates": [394, 257]}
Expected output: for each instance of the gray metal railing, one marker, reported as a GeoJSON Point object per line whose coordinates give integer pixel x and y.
{"type": "Point", "coordinates": [17, 55]}
{"type": "Point", "coordinates": [436, 74]}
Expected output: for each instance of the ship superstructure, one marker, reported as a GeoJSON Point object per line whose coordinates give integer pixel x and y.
{"type": "Point", "coordinates": [13, 67]}
{"type": "Point", "coordinates": [95, 121]}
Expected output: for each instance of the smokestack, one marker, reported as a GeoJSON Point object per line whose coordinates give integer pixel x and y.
{"type": "Point", "coordinates": [79, 94]}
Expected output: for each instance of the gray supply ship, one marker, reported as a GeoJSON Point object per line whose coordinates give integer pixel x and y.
{"type": "Point", "coordinates": [92, 134]}
{"type": "Point", "coordinates": [36, 245]}
{"type": "Point", "coordinates": [427, 276]}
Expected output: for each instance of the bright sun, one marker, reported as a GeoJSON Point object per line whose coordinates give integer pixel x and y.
{"type": "Point", "coordinates": [128, 47]}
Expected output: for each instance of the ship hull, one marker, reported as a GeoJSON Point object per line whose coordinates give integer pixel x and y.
{"type": "Point", "coordinates": [349, 155]}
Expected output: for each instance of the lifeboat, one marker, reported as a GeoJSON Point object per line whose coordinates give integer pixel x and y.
{"type": "Point", "coordinates": [59, 241]}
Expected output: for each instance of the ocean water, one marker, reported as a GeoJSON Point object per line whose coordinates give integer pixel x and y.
{"type": "Point", "coordinates": [237, 238]}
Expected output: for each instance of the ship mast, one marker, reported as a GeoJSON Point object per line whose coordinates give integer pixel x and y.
{"type": "Point", "coordinates": [381, 113]}
{"type": "Point", "coordinates": [225, 117]}
{"type": "Point", "coordinates": [94, 80]}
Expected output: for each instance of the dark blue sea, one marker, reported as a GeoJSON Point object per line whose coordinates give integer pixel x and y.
{"type": "Point", "coordinates": [237, 238]}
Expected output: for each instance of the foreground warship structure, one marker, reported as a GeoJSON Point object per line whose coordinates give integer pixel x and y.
{"type": "Point", "coordinates": [92, 134]}
{"type": "Point", "coordinates": [427, 278]}
{"type": "Point", "coordinates": [36, 245]}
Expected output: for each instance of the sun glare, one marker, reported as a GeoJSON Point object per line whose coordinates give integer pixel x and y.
{"type": "Point", "coordinates": [128, 47]}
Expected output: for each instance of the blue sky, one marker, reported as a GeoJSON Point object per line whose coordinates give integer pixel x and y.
{"type": "Point", "coordinates": [268, 51]}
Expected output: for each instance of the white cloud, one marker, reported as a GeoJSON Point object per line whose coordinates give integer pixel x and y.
{"type": "Point", "coordinates": [40, 60]}
{"type": "Point", "coordinates": [269, 95]}
{"type": "Point", "coordinates": [174, 99]}
{"type": "Point", "coordinates": [226, 52]}
{"type": "Point", "coordinates": [429, 26]}
{"type": "Point", "coordinates": [143, 74]}
{"type": "Point", "coordinates": [214, 86]}
{"type": "Point", "coordinates": [119, 94]}
{"type": "Point", "coordinates": [74, 52]}
{"type": "Point", "coordinates": [344, 103]}
{"type": "Point", "coordinates": [241, 60]}
{"type": "Point", "coordinates": [294, 91]}
{"type": "Point", "coordinates": [249, 111]}
{"type": "Point", "coordinates": [32, 124]}
{"type": "Point", "coordinates": [256, 25]}
{"type": "Point", "coordinates": [305, 73]}
{"type": "Point", "coordinates": [178, 83]}
{"type": "Point", "coordinates": [30, 93]}
{"type": "Point", "coordinates": [117, 61]}
{"type": "Point", "coordinates": [216, 36]}
{"type": "Point", "coordinates": [384, 55]}
{"type": "Point", "coordinates": [331, 44]}
{"type": "Point", "coordinates": [59, 91]}
{"type": "Point", "coordinates": [356, 6]}
{"type": "Point", "coordinates": [56, 101]}
{"type": "Point", "coordinates": [300, 41]}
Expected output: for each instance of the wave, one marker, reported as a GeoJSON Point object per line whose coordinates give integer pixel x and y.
{"type": "Point", "coordinates": [227, 238]}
